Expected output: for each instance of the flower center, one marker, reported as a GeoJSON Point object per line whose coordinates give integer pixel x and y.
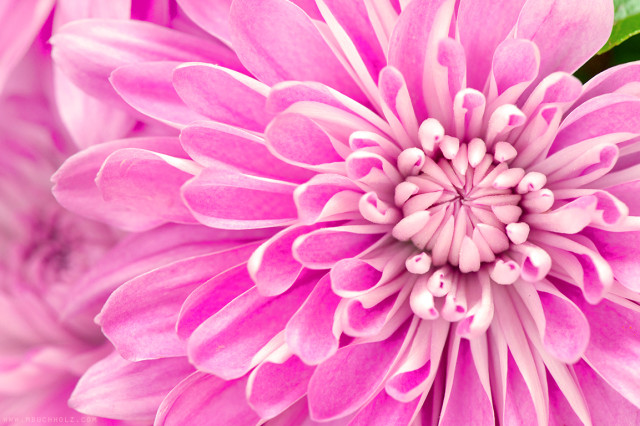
{"type": "Point", "coordinates": [460, 202]}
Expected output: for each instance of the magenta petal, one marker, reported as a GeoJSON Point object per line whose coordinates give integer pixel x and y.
{"type": "Point", "coordinates": [583, 31]}
{"type": "Point", "coordinates": [230, 200]}
{"type": "Point", "coordinates": [215, 145]}
{"type": "Point", "coordinates": [272, 266]}
{"type": "Point", "coordinates": [274, 387]}
{"type": "Point", "coordinates": [340, 385]}
{"type": "Point", "coordinates": [384, 410]}
{"type": "Point", "coordinates": [75, 189]}
{"type": "Point", "coordinates": [140, 317]}
{"type": "Point", "coordinates": [310, 331]}
{"type": "Point", "coordinates": [227, 343]}
{"type": "Point", "coordinates": [622, 251]}
{"type": "Point", "coordinates": [614, 347]}
{"type": "Point", "coordinates": [214, 92]}
{"type": "Point", "coordinates": [566, 332]}
{"type": "Point", "coordinates": [606, 406]}
{"type": "Point", "coordinates": [299, 140]}
{"type": "Point", "coordinates": [346, 242]}
{"type": "Point", "coordinates": [350, 276]}
{"type": "Point", "coordinates": [277, 41]}
{"type": "Point", "coordinates": [518, 406]}
{"type": "Point", "coordinates": [468, 402]}
{"type": "Point", "coordinates": [326, 195]}
{"type": "Point", "coordinates": [211, 297]}
{"type": "Point", "coordinates": [211, 16]}
{"type": "Point", "coordinates": [119, 389]}
{"type": "Point", "coordinates": [89, 50]}
{"type": "Point", "coordinates": [201, 399]}
{"type": "Point", "coordinates": [147, 87]}
{"type": "Point", "coordinates": [145, 184]}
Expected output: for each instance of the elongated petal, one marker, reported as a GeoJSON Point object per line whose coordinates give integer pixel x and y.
{"type": "Point", "coordinates": [119, 389]}
{"type": "Point", "coordinates": [230, 200]}
{"type": "Point", "coordinates": [147, 87]}
{"type": "Point", "coordinates": [201, 398]}
{"type": "Point", "coordinates": [277, 41]}
{"type": "Point", "coordinates": [140, 317]}
{"type": "Point", "coordinates": [75, 189]}
{"type": "Point", "coordinates": [214, 91]}
{"type": "Point", "coordinates": [89, 50]}
{"type": "Point", "coordinates": [227, 343]}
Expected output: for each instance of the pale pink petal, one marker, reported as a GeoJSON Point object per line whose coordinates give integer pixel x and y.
{"type": "Point", "coordinates": [408, 44]}
{"type": "Point", "coordinates": [619, 79]}
{"type": "Point", "coordinates": [384, 410]}
{"type": "Point", "coordinates": [475, 18]}
{"type": "Point", "coordinates": [340, 385]}
{"type": "Point", "coordinates": [310, 331]}
{"type": "Point", "coordinates": [140, 317]}
{"type": "Point", "coordinates": [211, 16]}
{"type": "Point", "coordinates": [201, 398]}
{"type": "Point", "coordinates": [583, 31]}
{"type": "Point", "coordinates": [146, 184]}
{"type": "Point", "coordinates": [215, 145]}
{"type": "Point", "coordinates": [277, 41]}
{"type": "Point", "coordinates": [135, 255]}
{"type": "Point", "coordinates": [89, 50]}
{"type": "Point", "coordinates": [273, 387]}
{"type": "Point", "coordinates": [300, 141]}
{"type": "Point", "coordinates": [75, 189]}
{"type": "Point", "coordinates": [120, 389]}
{"type": "Point", "coordinates": [326, 195]}
{"type": "Point", "coordinates": [214, 92]}
{"type": "Point", "coordinates": [518, 408]}
{"type": "Point", "coordinates": [147, 87]}
{"type": "Point", "coordinates": [21, 23]}
{"type": "Point", "coordinates": [621, 250]}
{"type": "Point", "coordinates": [230, 200]}
{"type": "Point", "coordinates": [229, 342]}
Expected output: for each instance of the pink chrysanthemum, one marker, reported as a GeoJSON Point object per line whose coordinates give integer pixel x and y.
{"type": "Point", "coordinates": [455, 215]}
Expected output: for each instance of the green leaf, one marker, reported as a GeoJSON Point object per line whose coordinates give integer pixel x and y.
{"type": "Point", "coordinates": [626, 23]}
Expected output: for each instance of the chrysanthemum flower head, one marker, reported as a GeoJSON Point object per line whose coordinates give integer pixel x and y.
{"type": "Point", "coordinates": [453, 213]}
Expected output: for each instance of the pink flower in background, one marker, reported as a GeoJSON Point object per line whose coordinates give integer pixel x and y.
{"type": "Point", "coordinates": [445, 219]}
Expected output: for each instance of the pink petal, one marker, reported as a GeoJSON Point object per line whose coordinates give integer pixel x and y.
{"type": "Point", "coordinates": [467, 402]}
{"type": "Point", "coordinates": [475, 17]}
{"type": "Point", "coordinates": [340, 385]}
{"type": "Point", "coordinates": [621, 79]}
{"type": "Point", "coordinates": [277, 41]}
{"type": "Point", "coordinates": [310, 331]}
{"type": "Point", "coordinates": [614, 347]}
{"type": "Point", "coordinates": [622, 251]}
{"type": "Point", "coordinates": [230, 200]}
{"type": "Point", "coordinates": [140, 317]}
{"type": "Point", "coordinates": [214, 91]}
{"type": "Point", "coordinates": [350, 276]}
{"type": "Point", "coordinates": [215, 145]}
{"type": "Point", "coordinates": [21, 22]}
{"type": "Point", "coordinates": [272, 266]}
{"type": "Point", "coordinates": [89, 50]}
{"type": "Point", "coordinates": [518, 408]}
{"type": "Point", "coordinates": [146, 184]}
{"type": "Point", "coordinates": [583, 31]}
{"type": "Point", "coordinates": [201, 398]}
{"type": "Point", "coordinates": [120, 389]}
{"type": "Point", "coordinates": [606, 114]}
{"type": "Point", "coordinates": [228, 342]}
{"type": "Point", "coordinates": [136, 255]}
{"type": "Point", "coordinates": [298, 140]}
{"type": "Point", "coordinates": [326, 196]}
{"type": "Point", "coordinates": [211, 297]}
{"type": "Point", "coordinates": [147, 87]}
{"type": "Point", "coordinates": [75, 189]}
{"type": "Point", "coordinates": [346, 242]}
{"type": "Point", "coordinates": [384, 410]}
{"type": "Point", "coordinates": [211, 16]}
{"type": "Point", "coordinates": [274, 387]}
{"type": "Point", "coordinates": [515, 65]}
{"type": "Point", "coordinates": [407, 47]}
{"type": "Point", "coordinates": [605, 404]}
